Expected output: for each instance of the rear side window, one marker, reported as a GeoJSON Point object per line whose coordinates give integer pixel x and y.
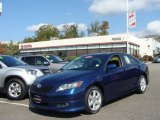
{"type": "Point", "coordinates": [127, 60]}
{"type": "Point", "coordinates": [35, 60]}
{"type": "Point", "coordinates": [28, 60]}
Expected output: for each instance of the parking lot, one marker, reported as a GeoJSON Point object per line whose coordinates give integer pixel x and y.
{"type": "Point", "coordinates": [130, 107]}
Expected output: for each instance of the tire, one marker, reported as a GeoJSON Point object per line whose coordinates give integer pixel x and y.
{"type": "Point", "coordinates": [142, 85]}
{"type": "Point", "coordinates": [93, 100]}
{"type": "Point", "coordinates": [16, 89]}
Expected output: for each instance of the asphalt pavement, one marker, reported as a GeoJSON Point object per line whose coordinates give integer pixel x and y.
{"type": "Point", "coordinates": [130, 107]}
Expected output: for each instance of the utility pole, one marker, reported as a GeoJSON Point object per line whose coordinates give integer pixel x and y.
{"type": "Point", "coordinates": [0, 15]}
{"type": "Point", "coordinates": [0, 7]}
{"type": "Point", "coordinates": [127, 26]}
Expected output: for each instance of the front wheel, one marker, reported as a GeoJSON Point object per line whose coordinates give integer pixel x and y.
{"type": "Point", "coordinates": [15, 89]}
{"type": "Point", "coordinates": [142, 84]}
{"type": "Point", "coordinates": [93, 100]}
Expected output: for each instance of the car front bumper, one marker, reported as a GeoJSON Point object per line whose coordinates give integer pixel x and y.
{"type": "Point", "coordinates": [63, 103]}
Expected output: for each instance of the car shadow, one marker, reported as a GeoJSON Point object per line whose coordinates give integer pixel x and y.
{"type": "Point", "coordinates": [74, 114]}
{"type": "Point", "coordinates": [118, 98]}
{"type": "Point", "coordinates": [55, 114]}
{"type": "Point", "coordinates": [2, 95]}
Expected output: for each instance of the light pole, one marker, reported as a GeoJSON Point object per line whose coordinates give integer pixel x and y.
{"type": "Point", "coordinates": [127, 26]}
{"type": "Point", "coordinates": [0, 7]}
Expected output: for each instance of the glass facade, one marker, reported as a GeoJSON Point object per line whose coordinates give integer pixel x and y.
{"type": "Point", "coordinates": [86, 49]}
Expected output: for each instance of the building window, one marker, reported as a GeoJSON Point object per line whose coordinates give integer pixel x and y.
{"type": "Point", "coordinates": [82, 47]}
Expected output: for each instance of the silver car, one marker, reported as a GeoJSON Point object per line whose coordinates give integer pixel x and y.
{"type": "Point", "coordinates": [16, 76]}
{"type": "Point", "coordinates": [53, 62]}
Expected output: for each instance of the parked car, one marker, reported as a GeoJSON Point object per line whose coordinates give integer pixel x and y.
{"type": "Point", "coordinates": [16, 76]}
{"type": "Point", "coordinates": [156, 59]}
{"type": "Point", "coordinates": [89, 81]}
{"type": "Point", "coordinates": [53, 62]}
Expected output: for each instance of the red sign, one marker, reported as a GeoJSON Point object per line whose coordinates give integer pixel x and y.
{"type": "Point", "coordinates": [28, 46]}
{"type": "Point", "coordinates": [132, 23]}
{"type": "Point", "coordinates": [132, 19]}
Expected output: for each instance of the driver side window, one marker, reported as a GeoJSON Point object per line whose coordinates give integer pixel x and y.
{"type": "Point", "coordinates": [115, 60]}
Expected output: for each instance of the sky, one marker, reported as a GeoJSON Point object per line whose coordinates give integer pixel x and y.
{"type": "Point", "coordinates": [21, 18]}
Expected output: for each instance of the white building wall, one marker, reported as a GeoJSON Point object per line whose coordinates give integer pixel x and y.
{"type": "Point", "coordinates": [147, 45]}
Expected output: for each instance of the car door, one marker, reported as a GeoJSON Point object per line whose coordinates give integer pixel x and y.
{"type": "Point", "coordinates": [1, 75]}
{"type": "Point", "coordinates": [114, 79]}
{"type": "Point", "coordinates": [131, 71]}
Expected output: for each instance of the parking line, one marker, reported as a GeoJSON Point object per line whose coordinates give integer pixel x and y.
{"type": "Point", "coordinates": [12, 103]}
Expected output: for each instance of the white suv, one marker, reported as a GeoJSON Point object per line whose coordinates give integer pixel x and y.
{"type": "Point", "coordinates": [16, 76]}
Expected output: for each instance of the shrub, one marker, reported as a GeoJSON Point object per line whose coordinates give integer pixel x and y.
{"type": "Point", "coordinates": [147, 58]}
{"type": "Point", "coordinates": [70, 58]}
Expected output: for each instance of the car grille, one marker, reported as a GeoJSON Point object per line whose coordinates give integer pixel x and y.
{"type": "Point", "coordinates": [43, 89]}
{"type": "Point", "coordinates": [45, 71]}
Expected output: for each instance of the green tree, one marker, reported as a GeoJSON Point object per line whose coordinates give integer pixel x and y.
{"type": "Point", "coordinates": [12, 48]}
{"type": "Point", "coordinates": [94, 28]}
{"type": "Point", "coordinates": [70, 31]}
{"type": "Point", "coordinates": [98, 29]}
{"type": "Point", "coordinates": [45, 32]}
{"type": "Point", "coordinates": [82, 34]}
{"type": "Point", "coordinates": [28, 40]}
{"type": "Point", "coordinates": [103, 28]}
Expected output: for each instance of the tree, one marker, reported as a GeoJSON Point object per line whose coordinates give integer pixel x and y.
{"type": "Point", "coordinates": [2, 48]}
{"type": "Point", "coordinates": [45, 32]}
{"type": "Point", "coordinates": [104, 27]}
{"type": "Point", "coordinates": [70, 31]}
{"type": "Point", "coordinates": [28, 40]}
{"type": "Point", "coordinates": [94, 28]}
{"type": "Point", "coordinates": [82, 34]}
{"type": "Point", "coordinates": [98, 29]}
{"type": "Point", "coordinates": [12, 49]}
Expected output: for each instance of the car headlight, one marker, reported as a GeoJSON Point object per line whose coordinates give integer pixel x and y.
{"type": "Point", "coordinates": [35, 73]}
{"type": "Point", "coordinates": [70, 86]}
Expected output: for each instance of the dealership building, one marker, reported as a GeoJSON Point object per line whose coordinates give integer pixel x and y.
{"type": "Point", "coordinates": [94, 44]}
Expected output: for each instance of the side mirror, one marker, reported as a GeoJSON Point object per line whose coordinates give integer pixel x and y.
{"type": "Point", "coordinates": [46, 63]}
{"type": "Point", "coordinates": [111, 66]}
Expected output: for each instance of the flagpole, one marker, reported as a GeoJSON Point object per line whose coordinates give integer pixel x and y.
{"type": "Point", "coordinates": [0, 7]}
{"type": "Point", "coordinates": [127, 26]}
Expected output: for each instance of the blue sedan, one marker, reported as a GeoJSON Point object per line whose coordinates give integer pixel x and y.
{"type": "Point", "coordinates": [89, 81]}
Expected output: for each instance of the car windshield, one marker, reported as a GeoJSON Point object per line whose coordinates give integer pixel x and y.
{"type": "Point", "coordinates": [158, 56]}
{"type": "Point", "coordinates": [11, 61]}
{"type": "Point", "coordinates": [54, 59]}
{"type": "Point", "coordinates": [86, 63]}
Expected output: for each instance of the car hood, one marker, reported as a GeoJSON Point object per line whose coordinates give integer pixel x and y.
{"type": "Point", "coordinates": [65, 76]}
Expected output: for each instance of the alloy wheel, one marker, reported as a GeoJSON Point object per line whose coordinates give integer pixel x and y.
{"type": "Point", "coordinates": [143, 84]}
{"type": "Point", "coordinates": [14, 90]}
{"type": "Point", "coordinates": [94, 100]}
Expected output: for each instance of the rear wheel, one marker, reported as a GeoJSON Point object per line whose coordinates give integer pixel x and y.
{"type": "Point", "coordinates": [142, 84]}
{"type": "Point", "coordinates": [16, 89]}
{"type": "Point", "coordinates": [93, 100]}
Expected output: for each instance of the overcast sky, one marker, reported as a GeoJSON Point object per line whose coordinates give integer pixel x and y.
{"type": "Point", "coordinates": [21, 18]}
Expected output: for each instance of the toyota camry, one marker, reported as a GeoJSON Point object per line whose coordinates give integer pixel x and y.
{"type": "Point", "coordinates": [89, 81]}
